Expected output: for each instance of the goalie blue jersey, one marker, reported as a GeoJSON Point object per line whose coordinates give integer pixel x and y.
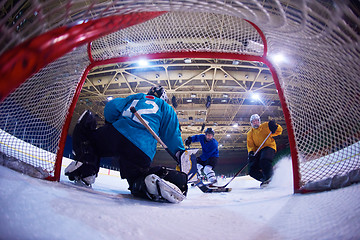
{"type": "Point", "coordinates": [159, 115]}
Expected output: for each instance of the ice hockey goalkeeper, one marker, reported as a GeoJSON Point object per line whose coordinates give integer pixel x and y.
{"type": "Point", "coordinates": [125, 138]}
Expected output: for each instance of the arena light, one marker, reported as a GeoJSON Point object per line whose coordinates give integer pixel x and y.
{"type": "Point", "coordinates": [255, 96]}
{"type": "Point", "coordinates": [77, 23]}
{"type": "Point", "coordinates": [143, 62]}
{"type": "Point", "coordinates": [187, 60]}
{"type": "Point", "coordinates": [235, 125]}
{"type": "Point", "coordinates": [109, 98]}
{"type": "Point", "coordinates": [278, 58]}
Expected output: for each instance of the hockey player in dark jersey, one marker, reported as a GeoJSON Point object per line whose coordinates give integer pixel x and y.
{"type": "Point", "coordinates": [210, 153]}
{"type": "Point", "coordinates": [125, 138]}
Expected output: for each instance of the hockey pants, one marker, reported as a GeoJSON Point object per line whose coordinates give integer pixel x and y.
{"type": "Point", "coordinates": [261, 167]}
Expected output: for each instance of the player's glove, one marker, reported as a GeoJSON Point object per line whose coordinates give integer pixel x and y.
{"type": "Point", "coordinates": [272, 126]}
{"type": "Point", "coordinates": [188, 141]}
{"type": "Point", "coordinates": [251, 156]}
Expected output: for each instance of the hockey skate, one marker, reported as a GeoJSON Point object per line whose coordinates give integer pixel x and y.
{"type": "Point", "coordinates": [160, 189]}
{"type": "Point", "coordinates": [266, 183]}
{"type": "Point", "coordinates": [75, 173]}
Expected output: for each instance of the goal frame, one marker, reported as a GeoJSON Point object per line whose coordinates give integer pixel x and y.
{"type": "Point", "coordinates": [60, 41]}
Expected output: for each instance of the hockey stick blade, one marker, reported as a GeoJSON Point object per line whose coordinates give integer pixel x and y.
{"type": "Point", "coordinates": [218, 189]}
{"type": "Point", "coordinates": [206, 189]}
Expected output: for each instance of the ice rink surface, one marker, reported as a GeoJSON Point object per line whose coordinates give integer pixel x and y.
{"type": "Point", "coordinates": [38, 209]}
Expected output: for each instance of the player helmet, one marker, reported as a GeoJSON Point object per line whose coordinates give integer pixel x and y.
{"type": "Point", "coordinates": [254, 117]}
{"type": "Point", "coordinates": [209, 131]}
{"type": "Point", "coordinates": [158, 91]}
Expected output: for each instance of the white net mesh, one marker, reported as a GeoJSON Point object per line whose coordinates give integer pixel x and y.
{"type": "Point", "coordinates": [32, 117]}
{"type": "Point", "coordinates": [320, 78]}
{"type": "Point", "coordinates": [179, 31]}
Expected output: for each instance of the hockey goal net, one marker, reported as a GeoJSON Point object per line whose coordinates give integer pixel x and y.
{"type": "Point", "coordinates": [48, 49]}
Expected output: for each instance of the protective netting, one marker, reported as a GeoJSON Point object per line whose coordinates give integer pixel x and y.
{"type": "Point", "coordinates": [319, 78]}
{"type": "Point", "coordinates": [32, 117]}
{"type": "Point", "coordinates": [179, 31]}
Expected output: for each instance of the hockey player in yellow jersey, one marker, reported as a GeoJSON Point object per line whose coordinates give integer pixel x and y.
{"type": "Point", "coordinates": [260, 165]}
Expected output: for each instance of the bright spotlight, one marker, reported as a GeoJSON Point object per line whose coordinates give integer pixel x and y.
{"type": "Point", "coordinates": [143, 62]}
{"type": "Point", "coordinates": [235, 125]}
{"type": "Point", "coordinates": [110, 98]}
{"type": "Point", "coordinates": [278, 58]}
{"type": "Point", "coordinates": [187, 60]}
{"type": "Point", "coordinates": [255, 96]}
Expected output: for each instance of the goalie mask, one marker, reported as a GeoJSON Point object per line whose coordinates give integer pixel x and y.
{"type": "Point", "coordinates": [159, 92]}
{"type": "Point", "coordinates": [255, 117]}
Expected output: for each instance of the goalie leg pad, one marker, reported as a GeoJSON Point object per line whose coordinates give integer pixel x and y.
{"type": "Point", "coordinates": [87, 120]}
{"type": "Point", "coordinates": [72, 170]}
{"type": "Point", "coordinates": [159, 189]}
{"type": "Point", "coordinates": [175, 179]}
{"type": "Point", "coordinates": [83, 149]}
{"type": "Point", "coordinates": [80, 171]}
{"type": "Point", "coordinates": [138, 188]}
{"type": "Point", "coordinates": [178, 178]}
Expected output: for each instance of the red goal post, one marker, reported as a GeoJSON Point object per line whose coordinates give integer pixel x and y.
{"type": "Point", "coordinates": [44, 76]}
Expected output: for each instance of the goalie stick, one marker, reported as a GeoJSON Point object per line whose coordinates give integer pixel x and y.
{"type": "Point", "coordinates": [200, 185]}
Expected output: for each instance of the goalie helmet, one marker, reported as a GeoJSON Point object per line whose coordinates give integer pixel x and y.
{"type": "Point", "coordinates": [209, 131]}
{"type": "Point", "coordinates": [254, 117]}
{"type": "Point", "coordinates": [158, 91]}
